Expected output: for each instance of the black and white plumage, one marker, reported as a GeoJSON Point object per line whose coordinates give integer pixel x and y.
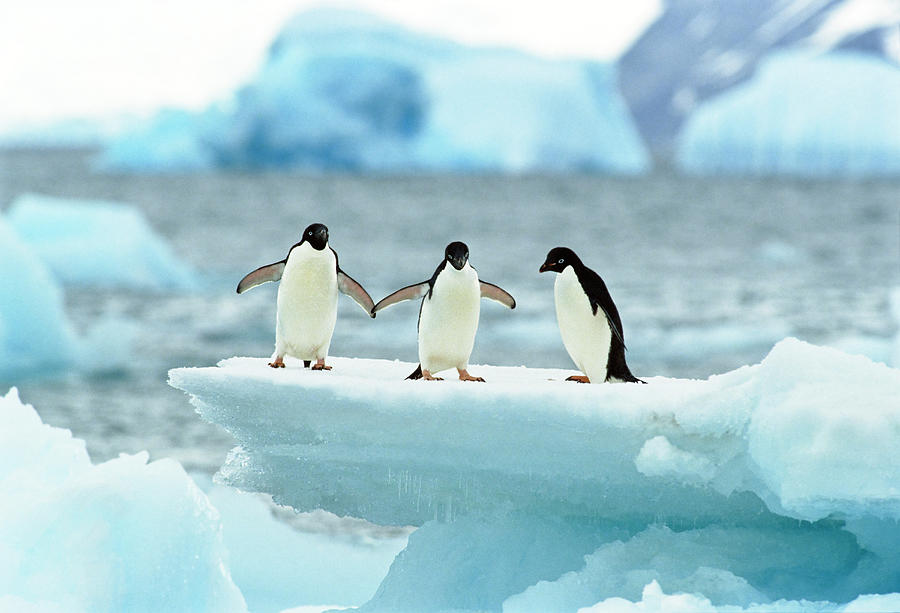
{"type": "Point", "coordinates": [306, 309]}
{"type": "Point", "coordinates": [589, 322]}
{"type": "Point", "coordinates": [448, 315]}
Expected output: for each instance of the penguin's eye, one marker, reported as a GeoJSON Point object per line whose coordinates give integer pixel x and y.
{"type": "Point", "coordinates": [561, 260]}
{"type": "Point", "coordinates": [309, 233]}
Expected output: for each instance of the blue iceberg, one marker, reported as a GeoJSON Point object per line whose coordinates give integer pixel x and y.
{"type": "Point", "coordinates": [345, 90]}
{"type": "Point", "coordinates": [97, 244]}
{"type": "Point", "coordinates": [133, 535]}
{"type": "Point", "coordinates": [35, 333]}
{"type": "Point", "coordinates": [803, 114]}
{"type": "Point", "coordinates": [771, 487]}
{"type": "Point", "coordinates": [125, 535]}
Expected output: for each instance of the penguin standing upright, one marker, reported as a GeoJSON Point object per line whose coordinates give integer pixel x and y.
{"type": "Point", "coordinates": [306, 309]}
{"type": "Point", "coordinates": [588, 320]}
{"type": "Point", "coordinates": [448, 315]}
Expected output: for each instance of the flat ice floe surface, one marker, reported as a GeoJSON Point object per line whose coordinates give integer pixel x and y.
{"type": "Point", "coordinates": [774, 481]}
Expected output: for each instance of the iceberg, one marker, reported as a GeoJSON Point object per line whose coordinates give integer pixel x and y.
{"type": "Point", "coordinates": [133, 535]}
{"type": "Point", "coordinates": [97, 243]}
{"type": "Point", "coordinates": [344, 90]}
{"type": "Point", "coordinates": [804, 114]}
{"type": "Point", "coordinates": [774, 485]}
{"type": "Point", "coordinates": [124, 535]}
{"type": "Point", "coordinates": [35, 332]}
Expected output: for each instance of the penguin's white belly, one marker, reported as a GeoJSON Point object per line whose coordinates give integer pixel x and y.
{"type": "Point", "coordinates": [586, 336]}
{"type": "Point", "coordinates": [449, 320]}
{"type": "Point", "coordinates": [307, 304]}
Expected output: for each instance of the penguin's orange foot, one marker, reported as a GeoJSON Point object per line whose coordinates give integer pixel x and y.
{"type": "Point", "coordinates": [318, 366]}
{"type": "Point", "coordinates": [277, 363]}
{"type": "Point", "coordinates": [578, 378]}
{"type": "Point", "coordinates": [429, 377]}
{"type": "Point", "coordinates": [465, 376]}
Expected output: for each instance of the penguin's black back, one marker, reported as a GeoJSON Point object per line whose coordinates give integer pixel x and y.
{"type": "Point", "coordinates": [600, 298]}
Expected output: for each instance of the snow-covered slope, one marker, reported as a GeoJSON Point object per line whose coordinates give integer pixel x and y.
{"type": "Point", "coordinates": [773, 481]}
{"type": "Point", "coordinates": [346, 90]}
{"type": "Point", "coordinates": [801, 114]}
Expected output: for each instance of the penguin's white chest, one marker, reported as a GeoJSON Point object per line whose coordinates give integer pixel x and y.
{"type": "Point", "coordinates": [449, 320]}
{"type": "Point", "coordinates": [586, 336]}
{"type": "Point", "coordinates": [307, 303]}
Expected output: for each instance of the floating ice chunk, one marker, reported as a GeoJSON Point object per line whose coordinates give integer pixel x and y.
{"type": "Point", "coordinates": [94, 243]}
{"type": "Point", "coordinates": [35, 333]}
{"type": "Point", "coordinates": [558, 495]}
{"type": "Point", "coordinates": [802, 113]}
{"type": "Point", "coordinates": [125, 535]}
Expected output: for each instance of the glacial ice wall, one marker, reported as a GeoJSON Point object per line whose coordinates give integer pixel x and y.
{"type": "Point", "coordinates": [803, 114]}
{"type": "Point", "coordinates": [348, 91]}
{"type": "Point", "coordinates": [774, 482]}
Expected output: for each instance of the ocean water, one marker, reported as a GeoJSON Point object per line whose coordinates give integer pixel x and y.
{"type": "Point", "coordinates": [707, 274]}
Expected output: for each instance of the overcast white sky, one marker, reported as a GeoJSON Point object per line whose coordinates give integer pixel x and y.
{"type": "Point", "coordinates": [90, 58]}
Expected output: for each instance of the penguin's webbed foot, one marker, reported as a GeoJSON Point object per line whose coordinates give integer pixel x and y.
{"type": "Point", "coordinates": [578, 378]}
{"type": "Point", "coordinates": [318, 366]}
{"type": "Point", "coordinates": [465, 376]}
{"type": "Point", "coordinates": [277, 363]}
{"type": "Point", "coordinates": [429, 377]}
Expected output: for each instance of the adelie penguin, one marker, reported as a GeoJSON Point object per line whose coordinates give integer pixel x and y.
{"type": "Point", "coordinates": [588, 320]}
{"type": "Point", "coordinates": [306, 309]}
{"type": "Point", "coordinates": [448, 315]}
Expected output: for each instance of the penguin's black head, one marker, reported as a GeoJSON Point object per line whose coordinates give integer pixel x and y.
{"type": "Point", "coordinates": [316, 235]}
{"type": "Point", "coordinates": [457, 254]}
{"type": "Point", "coordinates": [558, 258]}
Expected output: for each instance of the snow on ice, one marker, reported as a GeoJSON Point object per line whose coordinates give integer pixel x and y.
{"type": "Point", "coordinates": [802, 113]}
{"type": "Point", "coordinates": [774, 485]}
{"type": "Point", "coordinates": [345, 90]}
{"type": "Point", "coordinates": [128, 535]}
{"type": "Point", "coordinates": [96, 243]}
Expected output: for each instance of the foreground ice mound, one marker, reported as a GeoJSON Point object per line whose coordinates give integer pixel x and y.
{"type": "Point", "coordinates": [345, 90]}
{"type": "Point", "coordinates": [774, 481]}
{"type": "Point", "coordinates": [124, 535]}
{"type": "Point", "coordinates": [801, 114]}
{"type": "Point", "coordinates": [35, 333]}
{"type": "Point", "coordinates": [96, 243]}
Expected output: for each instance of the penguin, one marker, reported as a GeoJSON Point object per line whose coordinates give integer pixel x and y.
{"type": "Point", "coordinates": [588, 320]}
{"type": "Point", "coordinates": [306, 309]}
{"type": "Point", "coordinates": [448, 315]}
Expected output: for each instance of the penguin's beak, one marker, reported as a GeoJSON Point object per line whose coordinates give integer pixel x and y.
{"type": "Point", "coordinates": [544, 267]}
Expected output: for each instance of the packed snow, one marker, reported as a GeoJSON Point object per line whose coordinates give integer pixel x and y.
{"type": "Point", "coordinates": [133, 535]}
{"type": "Point", "coordinates": [774, 485]}
{"type": "Point", "coordinates": [801, 114]}
{"type": "Point", "coordinates": [97, 243]}
{"type": "Point", "coordinates": [346, 90]}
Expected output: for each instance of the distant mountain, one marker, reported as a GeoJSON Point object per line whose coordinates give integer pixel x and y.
{"type": "Point", "coordinates": [697, 49]}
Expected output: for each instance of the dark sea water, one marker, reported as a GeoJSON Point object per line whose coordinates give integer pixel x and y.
{"type": "Point", "coordinates": [707, 274]}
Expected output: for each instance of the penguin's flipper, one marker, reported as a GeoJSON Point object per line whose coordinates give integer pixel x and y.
{"type": "Point", "coordinates": [263, 274]}
{"type": "Point", "coordinates": [410, 292]}
{"type": "Point", "coordinates": [489, 290]}
{"type": "Point", "coordinates": [353, 289]}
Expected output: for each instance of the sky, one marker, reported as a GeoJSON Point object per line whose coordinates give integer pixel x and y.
{"type": "Point", "coordinates": [94, 58]}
